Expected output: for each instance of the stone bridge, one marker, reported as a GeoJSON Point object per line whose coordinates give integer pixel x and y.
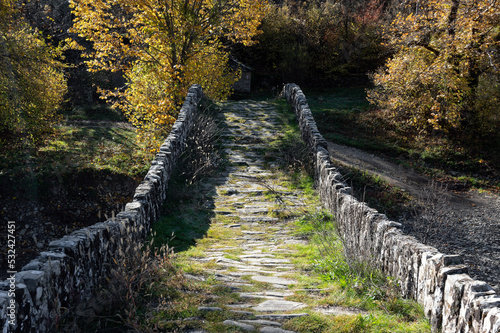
{"type": "Point", "coordinates": [76, 263]}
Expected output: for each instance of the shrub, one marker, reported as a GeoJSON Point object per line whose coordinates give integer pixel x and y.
{"type": "Point", "coordinates": [32, 84]}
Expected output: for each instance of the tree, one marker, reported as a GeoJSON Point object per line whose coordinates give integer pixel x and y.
{"type": "Point", "coordinates": [162, 47]}
{"type": "Point", "coordinates": [446, 56]}
{"type": "Point", "coordinates": [317, 42]}
{"type": "Point", "coordinates": [32, 85]}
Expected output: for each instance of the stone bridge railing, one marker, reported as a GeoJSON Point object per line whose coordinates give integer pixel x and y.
{"type": "Point", "coordinates": [31, 300]}
{"type": "Point", "coordinates": [452, 300]}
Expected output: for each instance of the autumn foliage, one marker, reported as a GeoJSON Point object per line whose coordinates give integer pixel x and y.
{"type": "Point", "coordinates": [162, 47]}
{"type": "Point", "coordinates": [32, 84]}
{"type": "Point", "coordinates": [444, 75]}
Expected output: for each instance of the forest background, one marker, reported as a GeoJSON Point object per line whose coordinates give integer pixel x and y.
{"type": "Point", "coordinates": [434, 64]}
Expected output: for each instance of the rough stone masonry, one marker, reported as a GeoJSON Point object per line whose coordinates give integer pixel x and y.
{"type": "Point", "coordinates": [76, 263]}
{"type": "Point", "coordinates": [452, 300]}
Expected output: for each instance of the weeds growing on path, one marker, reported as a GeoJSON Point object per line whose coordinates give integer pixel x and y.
{"type": "Point", "coordinates": [182, 291]}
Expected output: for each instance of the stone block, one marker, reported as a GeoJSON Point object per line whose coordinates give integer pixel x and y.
{"type": "Point", "coordinates": [490, 320]}
{"type": "Point", "coordinates": [454, 287]}
{"type": "Point", "coordinates": [475, 293]}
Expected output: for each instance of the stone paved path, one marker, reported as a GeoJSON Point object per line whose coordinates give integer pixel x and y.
{"type": "Point", "coordinates": [256, 264]}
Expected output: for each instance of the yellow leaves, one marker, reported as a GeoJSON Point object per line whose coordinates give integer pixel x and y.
{"type": "Point", "coordinates": [164, 120]}
{"type": "Point", "coordinates": [419, 92]}
{"type": "Point", "coordinates": [32, 84]}
{"type": "Point", "coordinates": [163, 48]}
{"type": "Point", "coordinates": [444, 49]}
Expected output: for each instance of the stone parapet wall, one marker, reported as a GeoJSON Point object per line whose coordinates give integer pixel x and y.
{"type": "Point", "coordinates": [74, 264]}
{"type": "Point", "coordinates": [452, 300]}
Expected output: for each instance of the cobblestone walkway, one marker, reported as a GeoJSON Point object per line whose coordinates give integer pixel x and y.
{"type": "Point", "coordinates": [255, 210]}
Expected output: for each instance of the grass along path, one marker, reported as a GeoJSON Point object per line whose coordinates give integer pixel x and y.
{"type": "Point", "coordinates": [252, 251]}
{"type": "Point", "coordinates": [258, 263]}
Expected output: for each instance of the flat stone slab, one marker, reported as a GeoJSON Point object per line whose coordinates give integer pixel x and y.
{"type": "Point", "coordinates": [267, 261]}
{"type": "Point", "coordinates": [259, 219]}
{"type": "Point", "coordinates": [248, 237]}
{"type": "Point", "coordinates": [256, 255]}
{"type": "Point", "coordinates": [241, 267]}
{"type": "Point", "coordinates": [281, 316]}
{"type": "Point", "coordinates": [257, 243]}
{"type": "Point", "coordinates": [230, 248]}
{"type": "Point", "coordinates": [255, 295]}
{"type": "Point", "coordinates": [239, 306]}
{"type": "Point", "coordinates": [270, 329]}
{"type": "Point", "coordinates": [295, 242]}
{"type": "Point", "coordinates": [252, 252]}
{"type": "Point", "coordinates": [278, 305]}
{"type": "Point", "coordinates": [255, 269]}
{"type": "Point", "coordinates": [239, 273]}
{"type": "Point", "coordinates": [255, 171]}
{"type": "Point", "coordinates": [261, 322]}
{"type": "Point", "coordinates": [252, 210]}
{"type": "Point", "coordinates": [275, 295]}
{"type": "Point", "coordinates": [273, 280]}
{"type": "Point", "coordinates": [226, 278]}
{"type": "Point", "coordinates": [249, 232]}
{"type": "Point", "coordinates": [259, 204]}
{"type": "Point", "coordinates": [243, 326]}
{"type": "Point", "coordinates": [267, 294]}
{"type": "Point", "coordinates": [238, 284]}
{"type": "Point", "coordinates": [272, 266]}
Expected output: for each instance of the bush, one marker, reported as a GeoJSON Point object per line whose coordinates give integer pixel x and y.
{"type": "Point", "coordinates": [129, 290]}
{"type": "Point", "coordinates": [32, 84]}
{"type": "Point", "coordinates": [444, 76]}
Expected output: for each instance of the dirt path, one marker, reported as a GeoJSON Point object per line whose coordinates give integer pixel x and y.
{"type": "Point", "coordinates": [467, 224]}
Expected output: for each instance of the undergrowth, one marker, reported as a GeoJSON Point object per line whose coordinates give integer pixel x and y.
{"type": "Point", "coordinates": [353, 285]}
{"type": "Point", "coordinates": [71, 147]}
{"type": "Point", "coordinates": [122, 300]}
{"type": "Point", "coordinates": [377, 193]}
